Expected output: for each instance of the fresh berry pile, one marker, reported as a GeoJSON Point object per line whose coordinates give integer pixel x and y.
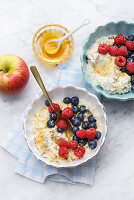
{"type": "Point", "coordinates": [123, 49]}
{"type": "Point", "coordinates": [83, 123]}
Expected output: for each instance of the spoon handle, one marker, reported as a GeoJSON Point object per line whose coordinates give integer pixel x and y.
{"type": "Point", "coordinates": [85, 22]}
{"type": "Point", "coordinates": [41, 84]}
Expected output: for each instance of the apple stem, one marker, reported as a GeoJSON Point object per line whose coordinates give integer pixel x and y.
{"type": "Point", "coordinates": [1, 70]}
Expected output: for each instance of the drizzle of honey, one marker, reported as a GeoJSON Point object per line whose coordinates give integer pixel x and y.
{"type": "Point", "coordinates": [48, 35]}
{"type": "Point", "coordinates": [105, 69]}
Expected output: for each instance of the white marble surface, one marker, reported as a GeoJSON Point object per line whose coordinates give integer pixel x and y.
{"type": "Point", "coordinates": [19, 19]}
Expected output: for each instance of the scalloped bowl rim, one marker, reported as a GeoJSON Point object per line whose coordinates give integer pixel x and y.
{"type": "Point", "coordinates": [78, 162]}
{"type": "Point", "coordinates": [95, 87]}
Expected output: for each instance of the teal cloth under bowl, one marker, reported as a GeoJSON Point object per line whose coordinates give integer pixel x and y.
{"type": "Point", "coordinates": [109, 29]}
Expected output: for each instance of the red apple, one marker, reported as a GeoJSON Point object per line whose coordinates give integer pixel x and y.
{"type": "Point", "coordinates": [14, 74]}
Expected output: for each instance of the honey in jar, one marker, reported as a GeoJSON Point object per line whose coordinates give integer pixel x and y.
{"type": "Point", "coordinates": [48, 35]}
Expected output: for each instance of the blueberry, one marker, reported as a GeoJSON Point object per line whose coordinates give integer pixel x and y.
{"type": "Point", "coordinates": [85, 125]}
{"type": "Point", "coordinates": [73, 119]}
{"type": "Point", "coordinates": [60, 130]}
{"type": "Point", "coordinates": [98, 135]}
{"type": "Point", "coordinates": [67, 100]}
{"type": "Point", "coordinates": [123, 69]}
{"type": "Point", "coordinates": [130, 60]}
{"type": "Point", "coordinates": [131, 37]}
{"type": "Point", "coordinates": [75, 129]}
{"type": "Point", "coordinates": [92, 125]}
{"type": "Point", "coordinates": [132, 80]}
{"type": "Point", "coordinates": [92, 144]}
{"type": "Point", "coordinates": [53, 116]}
{"type": "Point", "coordinates": [50, 124]}
{"type": "Point", "coordinates": [80, 116]}
{"type": "Point", "coordinates": [82, 109]}
{"type": "Point", "coordinates": [91, 118]}
{"type": "Point", "coordinates": [83, 142]}
{"type": "Point", "coordinates": [132, 55]}
{"type": "Point", "coordinates": [47, 103]}
{"type": "Point", "coordinates": [132, 88]}
{"type": "Point", "coordinates": [75, 101]}
{"type": "Point", "coordinates": [75, 109]}
{"type": "Point", "coordinates": [75, 137]}
{"type": "Point", "coordinates": [76, 122]}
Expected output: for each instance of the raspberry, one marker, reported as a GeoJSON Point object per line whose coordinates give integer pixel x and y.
{"type": "Point", "coordinates": [79, 152]}
{"type": "Point", "coordinates": [120, 39]}
{"type": "Point", "coordinates": [113, 51]}
{"type": "Point", "coordinates": [64, 143]}
{"type": "Point", "coordinates": [103, 49]}
{"type": "Point", "coordinates": [129, 45]}
{"type": "Point", "coordinates": [91, 133]}
{"type": "Point", "coordinates": [67, 112]}
{"type": "Point", "coordinates": [63, 152]}
{"type": "Point", "coordinates": [73, 144]}
{"type": "Point", "coordinates": [62, 124]}
{"type": "Point", "coordinates": [130, 67]}
{"type": "Point", "coordinates": [81, 133]}
{"type": "Point", "coordinates": [120, 61]}
{"type": "Point", "coordinates": [57, 107]}
{"type": "Point", "coordinates": [122, 51]}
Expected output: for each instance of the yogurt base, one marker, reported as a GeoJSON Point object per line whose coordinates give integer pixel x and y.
{"type": "Point", "coordinates": [104, 72]}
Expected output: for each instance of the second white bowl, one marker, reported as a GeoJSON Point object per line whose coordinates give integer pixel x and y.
{"type": "Point", "coordinates": [56, 94]}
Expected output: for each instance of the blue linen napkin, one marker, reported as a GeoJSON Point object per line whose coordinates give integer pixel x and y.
{"type": "Point", "coordinates": [27, 164]}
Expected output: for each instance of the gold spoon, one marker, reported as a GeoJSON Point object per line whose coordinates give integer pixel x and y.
{"type": "Point", "coordinates": [42, 86]}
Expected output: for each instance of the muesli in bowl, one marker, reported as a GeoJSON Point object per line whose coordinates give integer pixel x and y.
{"type": "Point", "coordinates": [118, 87]}
{"type": "Point", "coordinates": [53, 140]}
{"type": "Point", "coordinates": [50, 140]}
{"type": "Point", "coordinates": [111, 63]}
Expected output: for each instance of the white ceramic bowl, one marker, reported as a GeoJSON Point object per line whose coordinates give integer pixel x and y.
{"type": "Point", "coordinates": [56, 94]}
